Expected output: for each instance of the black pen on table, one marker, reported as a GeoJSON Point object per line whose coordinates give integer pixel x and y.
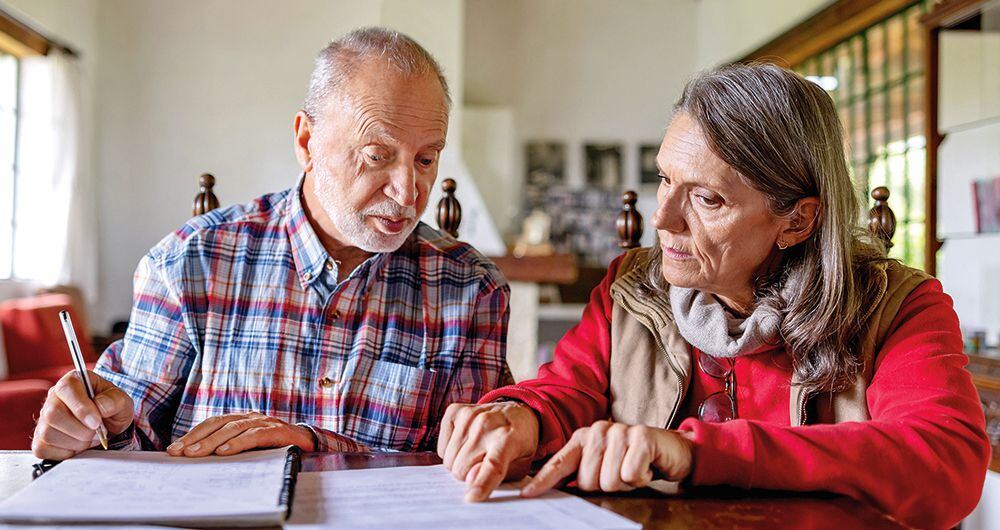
{"type": "Point", "coordinates": [81, 368]}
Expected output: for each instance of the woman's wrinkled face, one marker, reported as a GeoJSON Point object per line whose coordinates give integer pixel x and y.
{"type": "Point", "coordinates": [716, 232]}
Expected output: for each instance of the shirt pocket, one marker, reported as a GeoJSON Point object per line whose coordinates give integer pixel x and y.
{"type": "Point", "coordinates": [388, 404]}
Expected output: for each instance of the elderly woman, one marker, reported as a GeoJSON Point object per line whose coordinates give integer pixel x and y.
{"type": "Point", "coordinates": [764, 342]}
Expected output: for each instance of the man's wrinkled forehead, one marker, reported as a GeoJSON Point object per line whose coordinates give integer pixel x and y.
{"type": "Point", "coordinates": [395, 116]}
{"type": "Point", "coordinates": [389, 102]}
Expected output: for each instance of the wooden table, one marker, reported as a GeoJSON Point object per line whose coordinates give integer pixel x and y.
{"type": "Point", "coordinates": [701, 508]}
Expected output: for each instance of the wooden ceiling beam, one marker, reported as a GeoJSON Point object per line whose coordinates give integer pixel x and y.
{"type": "Point", "coordinates": [824, 30]}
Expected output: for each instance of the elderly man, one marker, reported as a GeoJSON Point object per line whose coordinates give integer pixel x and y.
{"type": "Point", "coordinates": [324, 316]}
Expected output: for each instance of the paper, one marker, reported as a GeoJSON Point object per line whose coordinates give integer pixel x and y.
{"type": "Point", "coordinates": [143, 487]}
{"type": "Point", "coordinates": [429, 497]}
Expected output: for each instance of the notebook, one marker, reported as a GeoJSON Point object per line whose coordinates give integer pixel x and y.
{"type": "Point", "coordinates": [113, 487]}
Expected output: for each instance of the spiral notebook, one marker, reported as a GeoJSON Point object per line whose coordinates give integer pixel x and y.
{"type": "Point", "coordinates": [115, 487]}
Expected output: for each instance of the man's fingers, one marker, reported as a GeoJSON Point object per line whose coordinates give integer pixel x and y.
{"type": "Point", "coordinates": [49, 452]}
{"type": "Point", "coordinates": [223, 434]}
{"type": "Point", "coordinates": [560, 466]}
{"type": "Point", "coordinates": [200, 431]}
{"type": "Point", "coordinates": [71, 392]}
{"type": "Point", "coordinates": [251, 438]}
{"type": "Point", "coordinates": [53, 437]}
{"type": "Point", "coordinates": [54, 414]}
{"type": "Point", "coordinates": [116, 407]}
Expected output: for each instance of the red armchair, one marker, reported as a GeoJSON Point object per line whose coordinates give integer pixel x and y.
{"type": "Point", "coordinates": [20, 402]}
{"type": "Point", "coordinates": [33, 337]}
{"type": "Point", "coordinates": [37, 356]}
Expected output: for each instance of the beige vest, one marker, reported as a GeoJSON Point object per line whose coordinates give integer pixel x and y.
{"type": "Point", "coordinates": [651, 363]}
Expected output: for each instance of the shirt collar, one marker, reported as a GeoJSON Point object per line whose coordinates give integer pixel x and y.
{"type": "Point", "coordinates": [307, 251]}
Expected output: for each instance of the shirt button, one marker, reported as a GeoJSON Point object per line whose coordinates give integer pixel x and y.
{"type": "Point", "coordinates": [335, 314]}
{"type": "Point", "coordinates": [326, 382]}
{"type": "Point", "coordinates": [329, 265]}
{"type": "Point", "coordinates": [308, 276]}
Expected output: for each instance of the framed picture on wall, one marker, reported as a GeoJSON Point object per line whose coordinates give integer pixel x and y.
{"type": "Point", "coordinates": [648, 173]}
{"type": "Point", "coordinates": [603, 165]}
{"type": "Point", "coordinates": [546, 163]}
{"type": "Point", "coordinates": [986, 201]}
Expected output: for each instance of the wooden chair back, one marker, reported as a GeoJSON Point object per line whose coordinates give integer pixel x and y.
{"type": "Point", "coordinates": [449, 211]}
{"type": "Point", "coordinates": [881, 219]}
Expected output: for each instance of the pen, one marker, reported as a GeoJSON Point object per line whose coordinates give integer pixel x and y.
{"type": "Point", "coordinates": [81, 368]}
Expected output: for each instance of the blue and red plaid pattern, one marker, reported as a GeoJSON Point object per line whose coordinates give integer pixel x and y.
{"type": "Point", "coordinates": [240, 311]}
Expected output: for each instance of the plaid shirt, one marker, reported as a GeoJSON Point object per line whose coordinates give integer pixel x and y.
{"type": "Point", "coordinates": [240, 311]}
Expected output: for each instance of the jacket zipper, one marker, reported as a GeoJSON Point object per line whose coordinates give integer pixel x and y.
{"type": "Point", "coordinates": [670, 362]}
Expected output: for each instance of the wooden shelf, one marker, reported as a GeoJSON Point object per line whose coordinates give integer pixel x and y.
{"type": "Point", "coordinates": [557, 268]}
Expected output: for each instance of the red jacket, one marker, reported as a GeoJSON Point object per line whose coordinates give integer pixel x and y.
{"type": "Point", "coordinates": [921, 458]}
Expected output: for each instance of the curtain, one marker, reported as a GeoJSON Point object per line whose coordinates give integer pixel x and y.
{"type": "Point", "coordinates": [55, 233]}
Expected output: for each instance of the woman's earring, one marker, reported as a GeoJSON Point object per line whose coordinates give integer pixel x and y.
{"type": "Point", "coordinates": [782, 245]}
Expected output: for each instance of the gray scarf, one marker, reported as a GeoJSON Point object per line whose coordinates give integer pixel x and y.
{"type": "Point", "coordinates": [706, 325]}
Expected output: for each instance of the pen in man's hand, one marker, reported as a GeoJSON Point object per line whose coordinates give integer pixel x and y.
{"type": "Point", "coordinates": [81, 368]}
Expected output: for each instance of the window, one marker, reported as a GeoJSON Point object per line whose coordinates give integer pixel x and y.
{"type": "Point", "coordinates": [8, 147]}
{"type": "Point", "coordinates": [876, 79]}
{"type": "Point", "coordinates": [17, 41]}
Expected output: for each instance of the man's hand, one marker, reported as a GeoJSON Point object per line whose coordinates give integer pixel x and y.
{"type": "Point", "coordinates": [615, 457]}
{"type": "Point", "coordinates": [234, 433]}
{"type": "Point", "coordinates": [69, 420]}
{"type": "Point", "coordinates": [485, 444]}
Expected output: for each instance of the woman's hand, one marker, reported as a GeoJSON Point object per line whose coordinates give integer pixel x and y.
{"type": "Point", "coordinates": [234, 433]}
{"type": "Point", "coordinates": [484, 444]}
{"type": "Point", "coordinates": [615, 457]}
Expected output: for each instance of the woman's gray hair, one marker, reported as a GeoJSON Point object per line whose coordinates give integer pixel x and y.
{"type": "Point", "coordinates": [781, 133]}
{"type": "Point", "coordinates": [338, 60]}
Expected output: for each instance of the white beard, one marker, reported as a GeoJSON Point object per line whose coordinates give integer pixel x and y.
{"type": "Point", "coordinates": [351, 223]}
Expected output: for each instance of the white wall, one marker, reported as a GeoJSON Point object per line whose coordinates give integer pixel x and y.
{"type": "Point", "coordinates": [580, 70]}
{"type": "Point", "coordinates": [489, 150]}
{"type": "Point", "coordinates": [729, 29]}
{"type": "Point", "coordinates": [198, 86]}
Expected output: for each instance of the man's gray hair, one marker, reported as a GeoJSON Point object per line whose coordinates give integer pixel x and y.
{"type": "Point", "coordinates": [337, 61]}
